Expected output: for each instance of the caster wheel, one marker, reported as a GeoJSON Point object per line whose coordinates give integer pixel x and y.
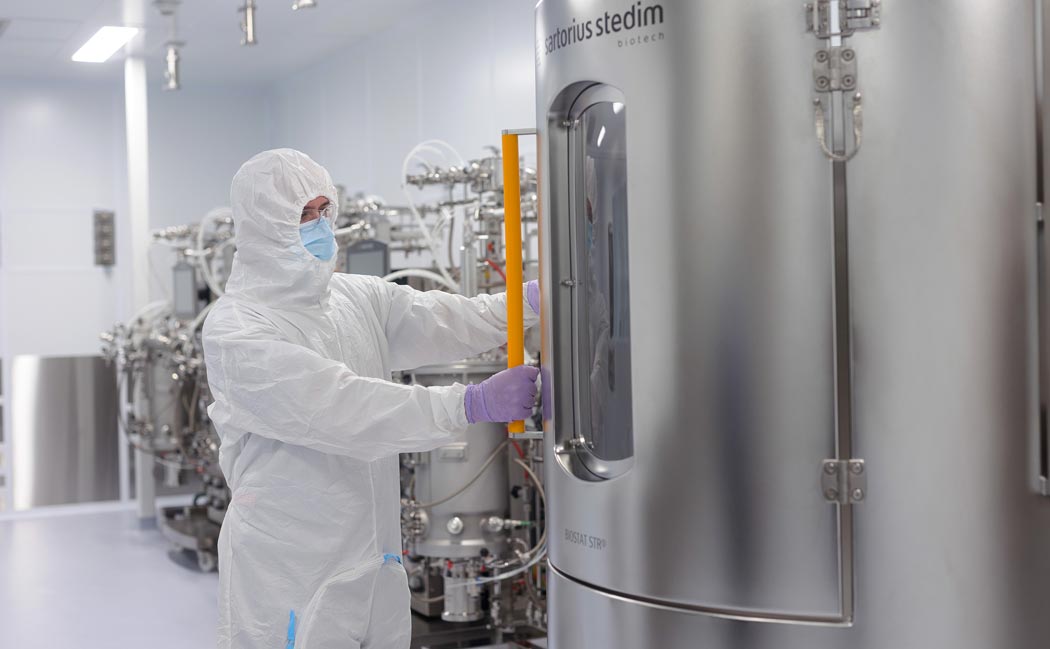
{"type": "Point", "coordinates": [207, 561]}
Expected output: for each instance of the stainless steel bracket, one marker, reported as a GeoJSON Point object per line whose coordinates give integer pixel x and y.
{"type": "Point", "coordinates": [844, 482]}
{"type": "Point", "coordinates": [862, 15]}
{"type": "Point", "coordinates": [853, 16]}
{"type": "Point", "coordinates": [571, 445]}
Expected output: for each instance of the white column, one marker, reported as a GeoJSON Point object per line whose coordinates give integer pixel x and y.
{"type": "Point", "coordinates": [137, 118]}
{"type": "Point", "coordinates": [7, 500]}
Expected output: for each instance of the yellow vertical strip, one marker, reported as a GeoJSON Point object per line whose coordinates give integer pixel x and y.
{"type": "Point", "coordinates": [512, 232]}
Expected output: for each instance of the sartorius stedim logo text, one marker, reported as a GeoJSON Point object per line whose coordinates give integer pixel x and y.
{"type": "Point", "coordinates": [611, 23]}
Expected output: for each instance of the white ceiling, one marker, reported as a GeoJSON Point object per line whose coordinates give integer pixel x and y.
{"type": "Point", "coordinates": [43, 34]}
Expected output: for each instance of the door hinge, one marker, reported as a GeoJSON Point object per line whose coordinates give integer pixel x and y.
{"type": "Point", "coordinates": [844, 482]}
{"type": "Point", "coordinates": [853, 15]}
{"type": "Point", "coordinates": [835, 69]}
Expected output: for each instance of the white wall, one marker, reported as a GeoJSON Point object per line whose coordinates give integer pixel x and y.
{"type": "Point", "coordinates": [199, 137]}
{"type": "Point", "coordinates": [461, 72]}
{"type": "Point", "coordinates": [62, 156]}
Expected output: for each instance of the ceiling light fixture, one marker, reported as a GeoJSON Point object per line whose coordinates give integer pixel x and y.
{"type": "Point", "coordinates": [104, 44]}
{"type": "Point", "coordinates": [303, 4]}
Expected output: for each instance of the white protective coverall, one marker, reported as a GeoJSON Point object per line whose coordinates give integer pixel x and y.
{"type": "Point", "coordinates": [299, 361]}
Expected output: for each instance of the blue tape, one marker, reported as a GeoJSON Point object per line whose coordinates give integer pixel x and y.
{"type": "Point", "coordinates": [291, 630]}
{"type": "Point", "coordinates": [391, 557]}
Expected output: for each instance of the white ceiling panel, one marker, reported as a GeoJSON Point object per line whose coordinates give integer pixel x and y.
{"type": "Point", "coordinates": [40, 50]}
{"type": "Point", "coordinates": [36, 28]}
{"type": "Point", "coordinates": [287, 40]}
{"type": "Point", "coordinates": [50, 9]}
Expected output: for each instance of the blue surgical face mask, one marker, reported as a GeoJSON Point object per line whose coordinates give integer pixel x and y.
{"type": "Point", "coordinates": [318, 238]}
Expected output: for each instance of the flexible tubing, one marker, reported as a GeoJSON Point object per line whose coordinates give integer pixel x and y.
{"type": "Point", "coordinates": [425, 274]}
{"type": "Point", "coordinates": [428, 145]}
{"type": "Point", "coordinates": [199, 320]}
{"type": "Point", "coordinates": [202, 260]}
{"type": "Point", "coordinates": [543, 498]}
{"type": "Point", "coordinates": [481, 471]}
{"type": "Point", "coordinates": [148, 310]}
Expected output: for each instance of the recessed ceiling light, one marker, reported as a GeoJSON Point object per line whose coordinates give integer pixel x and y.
{"type": "Point", "coordinates": [104, 44]}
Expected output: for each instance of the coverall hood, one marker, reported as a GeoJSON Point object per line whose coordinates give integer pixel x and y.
{"type": "Point", "coordinates": [271, 265]}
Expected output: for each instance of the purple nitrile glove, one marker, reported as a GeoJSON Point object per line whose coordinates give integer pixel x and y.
{"type": "Point", "coordinates": [507, 396]}
{"type": "Point", "coordinates": [532, 294]}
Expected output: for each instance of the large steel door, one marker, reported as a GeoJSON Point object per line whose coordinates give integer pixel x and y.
{"type": "Point", "coordinates": [689, 280]}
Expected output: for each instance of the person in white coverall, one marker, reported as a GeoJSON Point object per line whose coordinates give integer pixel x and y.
{"type": "Point", "coordinates": [299, 360]}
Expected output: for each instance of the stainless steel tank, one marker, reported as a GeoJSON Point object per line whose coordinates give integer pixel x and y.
{"type": "Point", "coordinates": [791, 385]}
{"type": "Point", "coordinates": [457, 529]}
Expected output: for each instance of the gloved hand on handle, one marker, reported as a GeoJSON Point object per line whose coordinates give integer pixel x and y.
{"type": "Point", "coordinates": [507, 396]}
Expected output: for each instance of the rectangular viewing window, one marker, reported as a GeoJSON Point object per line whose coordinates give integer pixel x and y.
{"type": "Point", "coordinates": [603, 325]}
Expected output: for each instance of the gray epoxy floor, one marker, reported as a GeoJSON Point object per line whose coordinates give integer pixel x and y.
{"type": "Point", "coordinates": [97, 580]}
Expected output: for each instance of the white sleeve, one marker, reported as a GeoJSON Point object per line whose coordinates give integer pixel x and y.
{"type": "Point", "coordinates": [432, 327]}
{"type": "Point", "coordinates": [287, 392]}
